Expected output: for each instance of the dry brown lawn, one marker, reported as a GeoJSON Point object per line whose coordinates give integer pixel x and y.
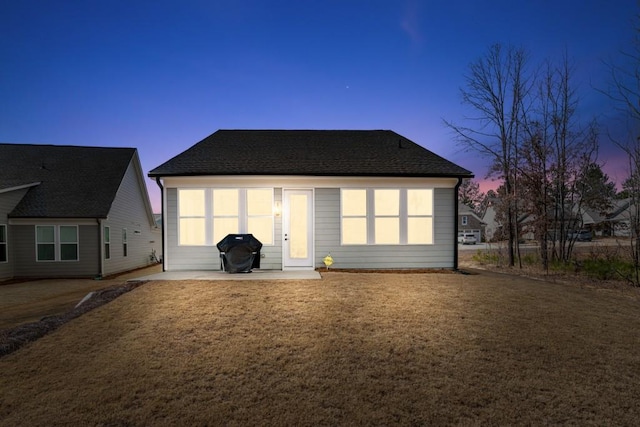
{"type": "Point", "coordinates": [29, 301]}
{"type": "Point", "coordinates": [357, 349]}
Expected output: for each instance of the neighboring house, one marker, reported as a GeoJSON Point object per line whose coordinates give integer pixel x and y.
{"type": "Point", "coordinates": [70, 211]}
{"type": "Point", "coordinates": [619, 220]}
{"type": "Point", "coordinates": [469, 222]}
{"type": "Point", "coordinates": [372, 199]}
{"type": "Point", "coordinates": [488, 217]}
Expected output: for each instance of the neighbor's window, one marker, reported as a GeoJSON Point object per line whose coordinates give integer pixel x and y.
{"type": "Point", "coordinates": [57, 243]}
{"type": "Point", "coordinates": [45, 243]}
{"type": "Point", "coordinates": [3, 243]}
{"type": "Point", "coordinates": [387, 216]}
{"type": "Point", "coordinates": [191, 214]}
{"type": "Point", "coordinates": [107, 243]}
{"type": "Point", "coordinates": [464, 220]}
{"type": "Point", "coordinates": [420, 216]}
{"type": "Point", "coordinates": [260, 214]}
{"type": "Point", "coordinates": [354, 217]}
{"type": "Point", "coordinates": [125, 242]}
{"type": "Point", "coordinates": [68, 243]}
{"type": "Point", "coordinates": [226, 219]}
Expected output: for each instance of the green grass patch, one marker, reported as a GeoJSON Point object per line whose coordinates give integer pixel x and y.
{"type": "Point", "coordinates": [608, 269]}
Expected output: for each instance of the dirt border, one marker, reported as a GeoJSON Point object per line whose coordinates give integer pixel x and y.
{"type": "Point", "coordinates": [13, 339]}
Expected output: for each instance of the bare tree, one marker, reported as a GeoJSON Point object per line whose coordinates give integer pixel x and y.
{"type": "Point", "coordinates": [497, 85]}
{"type": "Point", "coordinates": [558, 153]}
{"type": "Point", "coordinates": [624, 90]}
{"type": "Point", "coordinates": [469, 194]}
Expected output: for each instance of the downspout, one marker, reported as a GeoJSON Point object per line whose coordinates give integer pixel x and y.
{"type": "Point", "coordinates": [455, 225]}
{"type": "Point", "coordinates": [164, 221]}
{"type": "Point", "coordinates": [101, 251]}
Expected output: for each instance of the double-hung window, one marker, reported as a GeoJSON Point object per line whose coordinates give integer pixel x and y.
{"type": "Point", "coordinates": [226, 213]}
{"type": "Point", "coordinates": [260, 214]}
{"type": "Point", "coordinates": [387, 216]}
{"type": "Point", "coordinates": [191, 212]}
{"type": "Point", "coordinates": [3, 243]}
{"type": "Point", "coordinates": [419, 216]}
{"type": "Point", "coordinates": [57, 243]}
{"type": "Point", "coordinates": [354, 217]}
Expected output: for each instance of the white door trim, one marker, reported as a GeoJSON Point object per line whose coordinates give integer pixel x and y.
{"type": "Point", "coordinates": [307, 263]}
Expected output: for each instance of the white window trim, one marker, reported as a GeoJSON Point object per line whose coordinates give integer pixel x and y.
{"type": "Point", "coordinates": [57, 243]}
{"type": "Point", "coordinates": [465, 220]}
{"type": "Point", "coordinates": [403, 215]}
{"type": "Point", "coordinates": [5, 243]}
{"type": "Point", "coordinates": [243, 216]}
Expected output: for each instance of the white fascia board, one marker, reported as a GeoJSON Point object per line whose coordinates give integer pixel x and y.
{"type": "Point", "coordinates": [306, 181]}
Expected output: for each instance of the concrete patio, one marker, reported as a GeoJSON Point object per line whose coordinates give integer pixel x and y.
{"type": "Point", "coordinates": [221, 275]}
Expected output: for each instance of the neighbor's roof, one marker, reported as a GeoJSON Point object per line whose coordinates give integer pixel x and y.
{"type": "Point", "coordinates": [74, 182]}
{"type": "Point", "coordinates": [309, 152]}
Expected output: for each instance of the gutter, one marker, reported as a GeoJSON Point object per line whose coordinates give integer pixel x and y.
{"type": "Point", "coordinates": [164, 221]}
{"type": "Point", "coordinates": [455, 224]}
{"type": "Point", "coordinates": [101, 249]}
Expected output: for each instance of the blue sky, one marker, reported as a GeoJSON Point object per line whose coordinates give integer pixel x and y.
{"type": "Point", "coordinates": [162, 75]}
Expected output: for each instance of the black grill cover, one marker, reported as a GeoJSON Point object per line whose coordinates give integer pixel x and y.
{"type": "Point", "coordinates": [240, 253]}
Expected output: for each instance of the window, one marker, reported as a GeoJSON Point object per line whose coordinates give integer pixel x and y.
{"type": "Point", "coordinates": [191, 207]}
{"type": "Point", "coordinates": [260, 214]}
{"type": "Point", "coordinates": [107, 243]}
{"type": "Point", "coordinates": [419, 216]}
{"type": "Point", "coordinates": [354, 217]}
{"type": "Point", "coordinates": [464, 220]}
{"type": "Point", "coordinates": [3, 243]}
{"type": "Point", "coordinates": [57, 243]}
{"type": "Point", "coordinates": [206, 216]}
{"type": "Point", "coordinates": [387, 216]}
{"type": "Point", "coordinates": [124, 242]}
{"type": "Point", "coordinates": [68, 243]}
{"type": "Point", "coordinates": [46, 242]}
{"type": "Point", "coordinates": [226, 213]}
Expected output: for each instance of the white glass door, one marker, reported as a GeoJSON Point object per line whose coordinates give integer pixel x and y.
{"type": "Point", "coordinates": [297, 228]}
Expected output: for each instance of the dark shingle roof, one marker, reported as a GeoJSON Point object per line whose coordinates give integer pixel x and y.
{"type": "Point", "coordinates": [75, 182]}
{"type": "Point", "coordinates": [309, 152]}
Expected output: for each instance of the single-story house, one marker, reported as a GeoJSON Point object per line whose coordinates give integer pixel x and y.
{"type": "Point", "coordinates": [68, 211]}
{"type": "Point", "coordinates": [469, 222]}
{"type": "Point", "coordinates": [370, 198]}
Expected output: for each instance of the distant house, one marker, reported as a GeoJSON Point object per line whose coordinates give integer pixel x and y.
{"type": "Point", "coordinates": [69, 211]}
{"type": "Point", "coordinates": [469, 222]}
{"type": "Point", "coordinates": [373, 199]}
{"type": "Point", "coordinates": [618, 220]}
{"type": "Point", "coordinates": [488, 216]}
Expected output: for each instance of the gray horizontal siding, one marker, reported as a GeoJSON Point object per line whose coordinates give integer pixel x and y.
{"type": "Point", "coordinates": [129, 212]}
{"type": "Point", "coordinates": [208, 257]}
{"type": "Point", "coordinates": [327, 240]}
{"type": "Point", "coordinates": [327, 234]}
{"type": "Point", "coordinates": [24, 251]}
{"type": "Point", "coordinates": [8, 201]}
